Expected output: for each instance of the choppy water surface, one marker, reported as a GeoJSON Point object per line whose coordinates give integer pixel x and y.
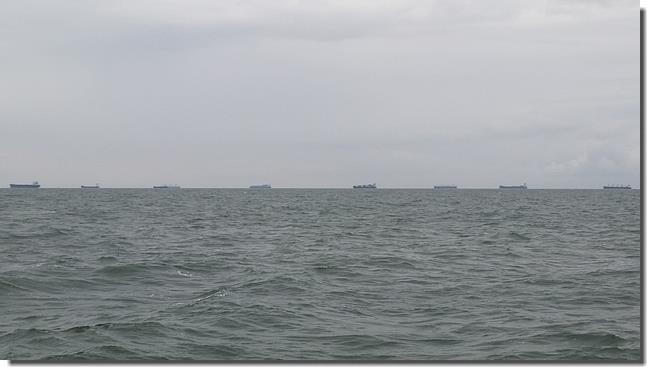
{"type": "Point", "coordinates": [319, 274]}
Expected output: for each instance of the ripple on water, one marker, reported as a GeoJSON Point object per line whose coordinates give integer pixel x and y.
{"type": "Point", "coordinates": [320, 274]}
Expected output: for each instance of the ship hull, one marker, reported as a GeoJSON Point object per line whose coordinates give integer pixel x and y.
{"type": "Point", "coordinates": [616, 188]}
{"type": "Point", "coordinates": [512, 187]}
{"type": "Point", "coordinates": [23, 186]}
{"type": "Point", "coordinates": [445, 187]}
{"type": "Point", "coordinates": [367, 186]}
{"type": "Point", "coordinates": [89, 187]}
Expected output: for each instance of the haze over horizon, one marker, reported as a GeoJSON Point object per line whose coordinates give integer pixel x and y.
{"type": "Point", "coordinates": [406, 94]}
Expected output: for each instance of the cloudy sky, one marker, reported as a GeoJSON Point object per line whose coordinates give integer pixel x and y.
{"type": "Point", "coordinates": [407, 93]}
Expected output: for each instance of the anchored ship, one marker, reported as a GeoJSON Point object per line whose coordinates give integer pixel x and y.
{"type": "Point", "coordinates": [264, 186]}
{"type": "Point", "coordinates": [524, 186]}
{"type": "Point", "coordinates": [95, 186]}
{"type": "Point", "coordinates": [445, 187]}
{"type": "Point", "coordinates": [617, 187]}
{"type": "Point", "coordinates": [166, 187]}
{"type": "Point", "coordinates": [368, 186]}
{"type": "Point", "coordinates": [33, 185]}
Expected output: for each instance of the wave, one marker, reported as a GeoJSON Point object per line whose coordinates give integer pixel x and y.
{"type": "Point", "coordinates": [39, 232]}
{"type": "Point", "coordinates": [518, 237]}
{"type": "Point", "coordinates": [107, 259]}
{"type": "Point", "coordinates": [212, 293]}
{"type": "Point", "coordinates": [7, 286]}
{"type": "Point", "coordinates": [622, 272]}
{"type": "Point", "coordinates": [581, 339]}
{"type": "Point", "coordinates": [101, 352]}
{"type": "Point", "coordinates": [126, 270]}
{"type": "Point", "coordinates": [319, 277]}
{"type": "Point", "coordinates": [389, 261]}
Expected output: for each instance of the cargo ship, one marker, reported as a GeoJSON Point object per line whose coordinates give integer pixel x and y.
{"type": "Point", "coordinates": [524, 186]}
{"type": "Point", "coordinates": [96, 186]}
{"type": "Point", "coordinates": [445, 187]}
{"type": "Point", "coordinates": [33, 185]}
{"type": "Point", "coordinates": [617, 187]}
{"type": "Point", "coordinates": [264, 186]}
{"type": "Point", "coordinates": [368, 186]}
{"type": "Point", "coordinates": [166, 187]}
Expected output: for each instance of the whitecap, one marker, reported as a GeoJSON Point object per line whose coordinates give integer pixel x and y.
{"type": "Point", "coordinates": [180, 272]}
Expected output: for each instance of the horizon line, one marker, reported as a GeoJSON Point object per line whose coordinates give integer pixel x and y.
{"type": "Point", "coordinates": [332, 188]}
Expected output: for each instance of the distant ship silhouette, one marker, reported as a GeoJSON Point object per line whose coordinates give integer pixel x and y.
{"type": "Point", "coordinates": [33, 185]}
{"type": "Point", "coordinates": [166, 187]}
{"type": "Point", "coordinates": [617, 187]}
{"type": "Point", "coordinates": [368, 186]}
{"type": "Point", "coordinates": [524, 186]}
{"type": "Point", "coordinates": [264, 186]}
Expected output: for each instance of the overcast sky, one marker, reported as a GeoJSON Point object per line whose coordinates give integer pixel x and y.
{"type": "Point", "coordinates": [320, 93]}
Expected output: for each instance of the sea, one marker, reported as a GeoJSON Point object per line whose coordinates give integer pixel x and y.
{"type": "Point", "coordinates": [320, 275]}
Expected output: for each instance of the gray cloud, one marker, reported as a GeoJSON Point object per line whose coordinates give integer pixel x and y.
{"type": "Point", "coordinates": [316, 94]}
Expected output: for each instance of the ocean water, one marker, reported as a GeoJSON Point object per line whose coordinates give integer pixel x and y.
{"type": "Point", "coordinates": [220, 274]}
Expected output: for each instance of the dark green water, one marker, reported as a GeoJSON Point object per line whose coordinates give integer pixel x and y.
{"type": "Point", "coordinates": [319, 274]}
